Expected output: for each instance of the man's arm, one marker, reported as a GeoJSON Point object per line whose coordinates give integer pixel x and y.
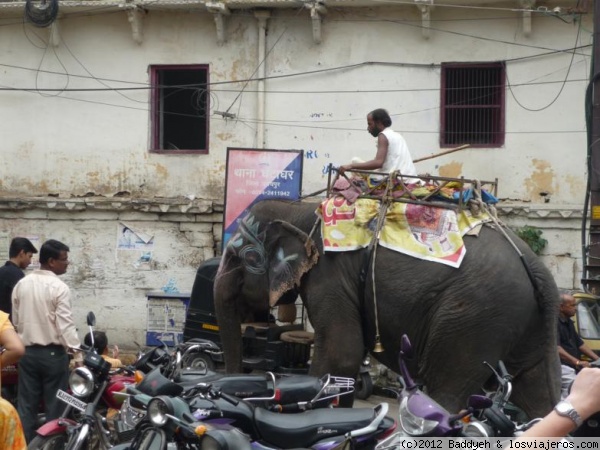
{"type": "Point", "coordinates": [586, 350]}
{"type": "Point", "coordinates": [64, 322]}
{"type": "Point", "coordinates": [567, 357]}
{"type": "Point", "coordinates": [377, 163]}
{"type": "Point", "coordinates": [15, 307]}
{"type": "Point", "coordinates": [585, 398]}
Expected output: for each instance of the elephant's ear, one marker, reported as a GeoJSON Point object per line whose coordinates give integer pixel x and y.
{"type": "Point", "coordinates": [291, 254]}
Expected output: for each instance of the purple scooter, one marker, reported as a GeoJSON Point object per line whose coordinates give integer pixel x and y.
{"type": "Point", "coordinates": [421, 416]}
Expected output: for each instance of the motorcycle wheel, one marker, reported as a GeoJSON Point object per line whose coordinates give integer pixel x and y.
{"type": "Point", "coordinates": [364, 386]}
{"type": "Point", "coordinates": [200, 361]}
{"type": "Point", "coordinates": [54, 442]}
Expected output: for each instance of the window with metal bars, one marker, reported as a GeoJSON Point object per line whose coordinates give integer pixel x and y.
{"type": "Point", "coordinates": [472, 105]}
{"type": "Point", "coordinates": [180, 106]}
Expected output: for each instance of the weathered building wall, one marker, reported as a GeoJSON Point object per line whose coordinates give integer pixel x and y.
{"type": "Point", "coordinates": [111, 281]}
{"type": "Point", "coordinates": [77, 163]}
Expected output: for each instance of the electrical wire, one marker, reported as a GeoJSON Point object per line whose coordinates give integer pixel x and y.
{"type": "Point", "coordinates": [37, 74]}
{"type": "Point", "coordinates": [290, 75]}
{"type": "Point", "coordinates": [247, 81]}
{"type": "Point", "coordinates": [561, 87]}
{"type": "Point", "coordinates": [97, 79]}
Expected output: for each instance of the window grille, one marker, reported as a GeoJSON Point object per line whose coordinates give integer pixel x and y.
{"type": "Point", "coordinates": [472, 104]}
{"type": "Point", "coordinates": [179, 108]}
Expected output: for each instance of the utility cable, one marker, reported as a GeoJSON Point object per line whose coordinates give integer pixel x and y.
{"type": "Point", "coordinates": [561, 87]}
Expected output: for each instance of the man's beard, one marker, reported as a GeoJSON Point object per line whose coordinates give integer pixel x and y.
{"type": "Point", "coordinates": [375, 132]}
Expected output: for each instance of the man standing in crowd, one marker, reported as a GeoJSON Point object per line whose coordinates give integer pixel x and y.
{"type": "Point", "coordinates": [42, 316]}
{"type": "Point", "coordinates": [20, 253]}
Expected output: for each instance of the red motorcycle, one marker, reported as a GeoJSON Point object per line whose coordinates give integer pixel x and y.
{"type": "Point", "coordinates": [91, 404]}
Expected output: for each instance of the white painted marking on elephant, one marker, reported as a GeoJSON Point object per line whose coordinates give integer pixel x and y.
{"type": "Point", "coordinates": [282, 266]}
{"type": "Point", "coordinates": [248, 244]}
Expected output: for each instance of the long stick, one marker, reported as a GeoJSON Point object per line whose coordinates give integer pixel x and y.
{"type": "Point", "coordinates": [442, 153]}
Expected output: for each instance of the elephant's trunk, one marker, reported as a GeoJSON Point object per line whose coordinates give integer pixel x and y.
{"type": "Point", "coordinates": [226, 292]}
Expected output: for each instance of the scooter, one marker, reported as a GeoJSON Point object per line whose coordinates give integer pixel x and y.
{"type": "Point", "coordinates": [421, 416]}
{"type": "Point", "coordinates": [504, 418]}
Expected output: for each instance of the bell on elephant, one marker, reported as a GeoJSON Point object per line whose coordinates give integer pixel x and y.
{"type": "Point", "coordinates": [378, 347]}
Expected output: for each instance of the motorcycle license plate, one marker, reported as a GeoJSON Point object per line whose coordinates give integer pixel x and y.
{"type": "Point", "coordinates": [70, 400]}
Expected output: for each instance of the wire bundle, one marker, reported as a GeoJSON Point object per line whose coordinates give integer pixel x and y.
{"type": "Point", "coordinates": [41, 14]}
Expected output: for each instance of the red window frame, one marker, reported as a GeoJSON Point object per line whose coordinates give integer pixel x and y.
{"type": "Point", "coordinates": [198, 124]}
{"type": "Point", "coordinates": [472, 107]}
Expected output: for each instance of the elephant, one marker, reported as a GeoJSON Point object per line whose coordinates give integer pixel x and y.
{"type": "Point", "coordinates": [488, 309]}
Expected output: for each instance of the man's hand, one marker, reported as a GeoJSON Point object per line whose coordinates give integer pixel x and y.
{"type": "Point", "coordinates": [343, 168]}
{"type": "Point", "coordinates": [115, 351]}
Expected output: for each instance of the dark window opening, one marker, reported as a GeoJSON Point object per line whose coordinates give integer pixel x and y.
{"type": "Point", "coordinates": [472, 109]}
{"type": "Point", "coordinates": [180, 107]}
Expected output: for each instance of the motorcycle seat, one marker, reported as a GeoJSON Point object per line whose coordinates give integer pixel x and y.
{"type": "Point", "coordinates": [304, 429]}
{"type": "Point", "coordinates": [298, 388]}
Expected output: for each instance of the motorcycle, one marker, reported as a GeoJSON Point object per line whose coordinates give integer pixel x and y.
{"type": "Point", "coordinates": [214, 409]}
{"type": "Point", "coordinates": [316, 428]}
{"type": "Point", "coordinates": [176, 427]}
{"type": "Point", "coordinates": [267, 391]}
{"type": "Point", "coordinates": [95, 391]}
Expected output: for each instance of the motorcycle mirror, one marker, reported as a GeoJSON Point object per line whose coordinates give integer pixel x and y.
{"type": "Point", "coordinates": [91, 319]}
{"type": "Point", "coordinates": [406, 347]}
{"type": "Point", "coordinates": [479, 402]}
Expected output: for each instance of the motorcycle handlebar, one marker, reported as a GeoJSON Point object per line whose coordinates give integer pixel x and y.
{"type": "Point", "coordinates": [229, 398]}
{"type": "Point", "coordinates": [292, 407]}
{"type": "Point", "coordinates": [503, 372]}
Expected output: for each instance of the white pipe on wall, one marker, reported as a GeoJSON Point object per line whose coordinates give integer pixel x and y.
{"type": "Point", "coordinates": [262, 17]}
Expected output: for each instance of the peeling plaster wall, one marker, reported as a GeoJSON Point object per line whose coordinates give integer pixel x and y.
{"type": "Point", "coordinates": [114, 282]}
{"type": "Point", "coordinates": [85, 149]}
{"type": "Point", "coordinates": [76, 143]}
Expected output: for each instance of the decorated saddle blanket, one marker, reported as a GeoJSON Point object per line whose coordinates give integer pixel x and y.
{"type": "Point", "coordinates": [419, 230]}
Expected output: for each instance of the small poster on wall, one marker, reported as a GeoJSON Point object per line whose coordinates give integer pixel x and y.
{"type": "Point", "coordinates": [129, 238]}
{"type": "Point", "coordinates": [254, 174]}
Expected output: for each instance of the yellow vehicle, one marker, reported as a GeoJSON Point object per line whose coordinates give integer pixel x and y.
{"type": "Point", "coordinates": [587, 319]}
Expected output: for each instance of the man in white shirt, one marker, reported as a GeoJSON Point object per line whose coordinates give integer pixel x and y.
{"type": "Point", "coordinates": [42, 317]}
{"type": "Point", "coordinates": [392, 151]}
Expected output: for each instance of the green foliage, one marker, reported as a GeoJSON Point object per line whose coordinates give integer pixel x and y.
{"type": "Point", "coordinates": [533, 237]}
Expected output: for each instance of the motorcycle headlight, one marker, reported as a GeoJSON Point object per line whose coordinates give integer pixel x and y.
{"type": "Point", "coordinates": [477, 429]}
{"type": "Point", "coordinates": [159, 410]}
{"type": "Point", "coordinates": [414, 425]}
{"type": "Point", "coordinates": [81, 381]}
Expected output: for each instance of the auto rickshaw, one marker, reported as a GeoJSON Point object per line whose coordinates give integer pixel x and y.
{"type": "Point", "coordinates": [587, 319]}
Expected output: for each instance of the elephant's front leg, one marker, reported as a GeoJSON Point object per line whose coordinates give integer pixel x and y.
{"type": "Point", "coordinates": [338, 347]}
